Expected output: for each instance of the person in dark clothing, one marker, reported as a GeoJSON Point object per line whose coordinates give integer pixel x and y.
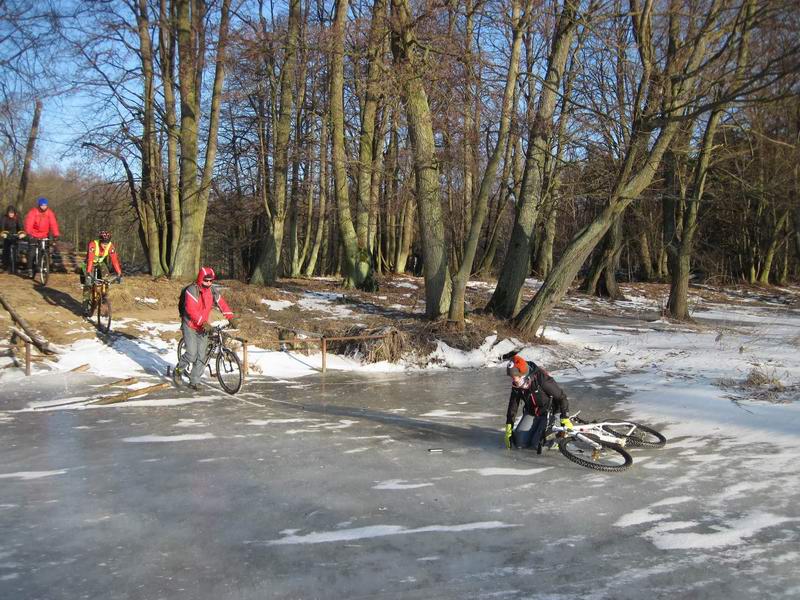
{"type": "Point", "coordinates": [539, 394]}
{"type": "Point", "coordinates": [11, 230]}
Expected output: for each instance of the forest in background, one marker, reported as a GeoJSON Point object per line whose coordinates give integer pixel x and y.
{"type": "Point", "coordinates": [573, 140]}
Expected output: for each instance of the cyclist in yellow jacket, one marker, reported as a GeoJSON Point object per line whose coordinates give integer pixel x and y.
{"type": "Point", "coordinates": [99, 253]}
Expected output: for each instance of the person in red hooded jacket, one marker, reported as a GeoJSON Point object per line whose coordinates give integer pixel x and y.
{"type": "Point", "coordinates": [40, 223]}
{"type": "Point", "coordinates": [195, 306]}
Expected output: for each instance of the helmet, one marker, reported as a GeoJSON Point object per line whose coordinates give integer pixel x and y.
{"type": "Point", "coordinates": [42, 202]}
{"type": "Point", "coordinates": [105, 236]}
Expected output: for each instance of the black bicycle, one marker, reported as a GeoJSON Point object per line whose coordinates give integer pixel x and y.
{"type": "Point", "coordinates": [40, 259]}
{"type": "Point", "coordinates": [13, 249]}
{"type": "Point", "coordinates": [228, 366]}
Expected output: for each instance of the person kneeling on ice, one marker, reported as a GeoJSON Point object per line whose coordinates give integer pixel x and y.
{"type": "Point", "coordinates": [539, 394]}
{"type": "Point", "coordinates": [195, 306]}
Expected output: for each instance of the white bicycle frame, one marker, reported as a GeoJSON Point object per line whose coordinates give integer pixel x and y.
{"type": "Point", "coordinates": [596, 430]}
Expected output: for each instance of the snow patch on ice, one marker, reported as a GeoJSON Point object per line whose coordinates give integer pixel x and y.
{"type": "Point", "coordinates": [399, 484]}
{"type": "Point", "coordinates": [734, 534]}
{"type": "Point", "coordinates": [29, 475]}
{"type": "Point", "coordinates": [144, 439]}
{"type": "Point", "coordinates": [260, 422]}
{"type": "Point", "coordinates": [375, 531]}
{"type": "Point", "coordinates": [492, 471]}
{"type": "Point", "coordinates": [452, 414]}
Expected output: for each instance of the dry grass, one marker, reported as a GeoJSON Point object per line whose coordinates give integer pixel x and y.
{"type": "Point", "coordinates": [757, 378]}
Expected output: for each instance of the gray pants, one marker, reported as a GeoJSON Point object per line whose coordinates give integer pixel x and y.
{"type": "Point", "coordinates": [195, 346]}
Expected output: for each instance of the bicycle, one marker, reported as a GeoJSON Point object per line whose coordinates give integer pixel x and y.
{"type": "Point", "coordinates": [40, 259]}
{"type": "Point", "coordinates": [100, 302]}
{"type": "Point", "coordinates": [601, 445]}
{"type": "Point", "coordinates": [228, 365]}
{"type": "Point", "coordinates": [629, 433]}
{"type": "Point", "coordinates": [13, 249]}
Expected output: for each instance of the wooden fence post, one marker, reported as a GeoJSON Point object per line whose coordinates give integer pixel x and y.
{"type": "Point", "coordinates": [27, 359]}
{"type": "Point", "coordinates": [324, 353]}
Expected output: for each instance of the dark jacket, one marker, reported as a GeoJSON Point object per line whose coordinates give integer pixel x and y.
{"type": "Point", "coordinates": [9, 224]}
{"type": "Point", "coordinates": [538, 393]}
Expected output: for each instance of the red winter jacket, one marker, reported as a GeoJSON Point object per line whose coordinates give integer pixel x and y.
{"type": "Point", "coordinates": [199, 301]}
{"type": "Point", "coordinates": [39, 224]}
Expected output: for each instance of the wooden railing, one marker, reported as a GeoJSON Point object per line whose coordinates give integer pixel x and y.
{"type": "Point", "coordinates": [24, 332]}
{"type": "Point", "coordinates": [322, 341]}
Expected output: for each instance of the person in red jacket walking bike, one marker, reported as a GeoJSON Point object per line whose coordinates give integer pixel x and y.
{"type": "Point", "coordinates": [195, 306]}
{"type": "Point", "coordinates": [40, 223]}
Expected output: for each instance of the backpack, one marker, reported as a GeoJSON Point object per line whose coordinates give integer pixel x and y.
{"type": "Point", "coordinates": [215, 294]}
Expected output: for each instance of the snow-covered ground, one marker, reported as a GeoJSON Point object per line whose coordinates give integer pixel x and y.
{"type": "Point", "coordinates": [389, 480]}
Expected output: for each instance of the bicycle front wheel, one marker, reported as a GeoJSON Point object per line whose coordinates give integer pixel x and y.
{"type": "Point", "coordinates": [104, 314]}
{"type": "Point", "coordinates": [609, 457]}
{"type": "Point", "coordinates": [229, 371]}
{"type": "Point", "coordinates": [642, 436]}
{"type": "Point", "coordinates": [44, 269]}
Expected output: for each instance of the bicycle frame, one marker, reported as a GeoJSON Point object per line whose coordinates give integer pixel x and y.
{"type": "Point", "coordinates": [40, 249]}
{"type": "Point", "coordinates": [581, 430]}
{"type": "Point", "coordinates": [215, 345]}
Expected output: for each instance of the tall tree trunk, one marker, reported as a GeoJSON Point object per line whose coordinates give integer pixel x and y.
{"type": "Point", "coordinates": [150, 194]}
{"type": "Point", "coordinates": [508, 293]}
{"type": "Point", "coordinates": [195, 191]}
{"type": "Point", "coordinates": [481, 202]}
{"type": "Point", "coordinates": [420, 128]}
{"type": "Point", "coordinates": [167, 42]}
{"type": "Point", "coordinates": [602, 280]}
{"type": "Point", "coordinates": [323, 198]}
{"type": "Point", "coordinates": [544, 253]}
{"type": "Point", "coordinates": [356, 267]}
{"type": "Point", "coordinates": [267, 269]}
{"type": "Point", "coordinates": [377, 178]}
{"type": "Point", "coordinates": [406, 235]}
{"type": "Point", "coordinates": [775, 240]}
{"type": "Point", "coordinates": [680, 246]}
{"type": "Point", "coordinates": [29, 147]}
{"type": "Point", "coordinates": [645, 260]}
{"type": "Point", "coordinates": [369, 118]}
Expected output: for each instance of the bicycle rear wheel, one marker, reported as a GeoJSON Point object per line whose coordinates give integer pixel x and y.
{"type": "Point", "coordinates": [12, 259]}
{"type": "Point", "coordinates": [104, 314]}
{"type": "Point", "coordinates": [609, 457]}
{"type": "Point", "coordinates": [642, 436]}
{"type": "Point", "coordinates": [229, 371]}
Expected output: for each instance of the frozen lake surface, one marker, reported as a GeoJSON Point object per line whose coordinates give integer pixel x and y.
{"type": "Point", "coordinates": [329, 488]}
